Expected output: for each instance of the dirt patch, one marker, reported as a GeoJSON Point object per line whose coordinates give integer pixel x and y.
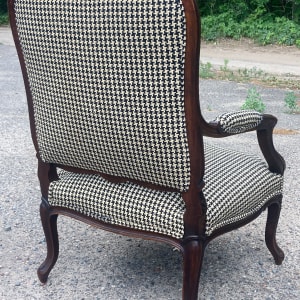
{"type": "Point", "coordinates": [249, 45]}
{"type": "Point", "coordinates": [285, 131]}
{"type": "Point", "coordinates": [245, 53]}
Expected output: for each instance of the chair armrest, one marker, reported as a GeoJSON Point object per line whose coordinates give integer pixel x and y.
{"type": "Point", "coordinates": [238, 122]}
{"type": "Point", "coordinates": [243, 121]}
{"type": "Point", "coordinates": [264, 132]}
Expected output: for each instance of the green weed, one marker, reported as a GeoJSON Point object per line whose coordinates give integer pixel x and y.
{"type": "Point", "coordinates": [225, 67]}
{"type": "Point", "coordinates": [254, 101]}
{"type": "Point", "coordinates": [253, 75]}
{"type": "Point", "coordinates": [206, 70]}
{"type": "Point", "coordinates": [291, 104]}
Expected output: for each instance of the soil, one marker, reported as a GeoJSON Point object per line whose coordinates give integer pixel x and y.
{"type": "Point", "coordinates": [247, 54]}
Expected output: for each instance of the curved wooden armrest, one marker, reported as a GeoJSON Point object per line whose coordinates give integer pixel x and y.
{"type": "Point", "coordinates": [264, 127]}
{"type": "Point", "coordinates": [265, 140]}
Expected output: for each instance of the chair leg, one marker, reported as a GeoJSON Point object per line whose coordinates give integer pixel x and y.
{"type": "Point", "coordinates": [192, 263]}
{"type": "Point", "coordinates": [49, 223]}
{"type": "Point", "coordinates": [270, 234]}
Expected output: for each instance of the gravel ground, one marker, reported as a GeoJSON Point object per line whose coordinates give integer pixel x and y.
{"type": "Point", "coordinates": [94, 264]}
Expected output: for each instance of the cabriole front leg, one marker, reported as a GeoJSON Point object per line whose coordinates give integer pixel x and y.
{"type": "Point", "coordinates": [49, 223]}
{"type": "Point", "coordinates": [270, 234]}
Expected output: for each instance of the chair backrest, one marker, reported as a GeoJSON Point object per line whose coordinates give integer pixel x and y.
{"type": "Point", "coordinates": [106, 82]}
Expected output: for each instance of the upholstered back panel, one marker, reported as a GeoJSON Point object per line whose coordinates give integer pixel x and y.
{"type": "Point", "coordinates": [107, 83]}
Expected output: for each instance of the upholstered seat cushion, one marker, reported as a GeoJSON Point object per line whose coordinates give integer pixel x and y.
{"type": "Point", "coordinates": [237, 185]}
{"type": "Point", "coordinates": [126, 204]}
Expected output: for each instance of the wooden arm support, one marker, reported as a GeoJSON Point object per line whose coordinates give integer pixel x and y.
{"type": "Point", "coordinates": [46, 174]}
{"type": "Point", "coordinates": [265, 140]}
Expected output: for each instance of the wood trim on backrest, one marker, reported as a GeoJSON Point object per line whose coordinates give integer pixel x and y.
{"type": "Point", "coordinates": [192, 105]}
{"type": "Point", "coordinates": [194, 218]}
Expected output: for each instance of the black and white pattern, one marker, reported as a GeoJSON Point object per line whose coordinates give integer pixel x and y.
{"type": "Point", "coordinates": [125, 204]}
{"type": "Point", "coordinates": [240, 121]}
{"type": "Point", "coordinates": [107, 81]}
{"type": "Point", "coordinates": [237, 185]}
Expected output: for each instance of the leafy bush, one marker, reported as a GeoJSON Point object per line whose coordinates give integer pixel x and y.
{"type": "Point", "coordinates": [256, 8]}
{"type": "Point", "coordinates": [223, 25]}
{"type": "Point", "coordinates": [254, 101]}
{"type": "Point", "coordinates": [265, 21]}
{"type": "Point", "coordinates": [291, 102]}
{"type": "Point", "coordinates": [268, 31]}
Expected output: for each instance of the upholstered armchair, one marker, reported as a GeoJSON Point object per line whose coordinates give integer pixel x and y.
{"type": "Point", "coordinates": [112, 89]}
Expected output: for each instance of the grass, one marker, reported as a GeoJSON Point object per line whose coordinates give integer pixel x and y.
{"type": "Point", "coordinates": [253, 75]}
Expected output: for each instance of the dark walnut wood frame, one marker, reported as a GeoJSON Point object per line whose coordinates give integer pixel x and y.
{"type": "Point", "coordinates": [193, 244]}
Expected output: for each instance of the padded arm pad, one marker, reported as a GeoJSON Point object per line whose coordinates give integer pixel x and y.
{"type": "Point", "coordinates": [238, 122]}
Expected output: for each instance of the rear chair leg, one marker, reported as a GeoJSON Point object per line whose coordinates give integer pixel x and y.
{"type": "Point", "coordinates": [270, 234]}
{"type": "Point", "coordinates": [49, 223]}
{"type": "Point", "coordinates": [192, 263]}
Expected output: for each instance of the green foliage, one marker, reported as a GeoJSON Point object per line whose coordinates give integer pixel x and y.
{"type": "Point", "coordinates": [265, 21]}
{"type": "Point", "coordinates": [3, 19]}
{"type": "Point", "coordinates": [222, 25]}
{"type": "Point", "coordinates": [248, 74]}
{"type": "Point", "coordinates": [225, 72]}
{"type": "Point", "coordinates": [253, 75]}
{"type": "Point", "coordinates": [225, 67]}
{"type": "Point", "coordinates": [206, 70]}
{"type": "Point", "coordinates": [256, 8]}
{"type": "Point", "coordinates": [254, 101]}
{"type": "Point", "coordinates": [269, 31]}
{"type": "Point", "coordinates": [291, 102]}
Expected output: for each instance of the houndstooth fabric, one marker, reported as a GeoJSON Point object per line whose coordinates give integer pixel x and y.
{"type": "Point", "coordinates": [240, 121]}
{"type": "Point", "coordinates": [237, 185]}
{"type": "Point", "coordinates": [126, 204]}
{"type": "Point", "coordinates": [107, 82]}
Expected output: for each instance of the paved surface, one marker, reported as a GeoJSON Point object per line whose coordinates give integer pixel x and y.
{"type": "Point", "coordinates": [94, 264]}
